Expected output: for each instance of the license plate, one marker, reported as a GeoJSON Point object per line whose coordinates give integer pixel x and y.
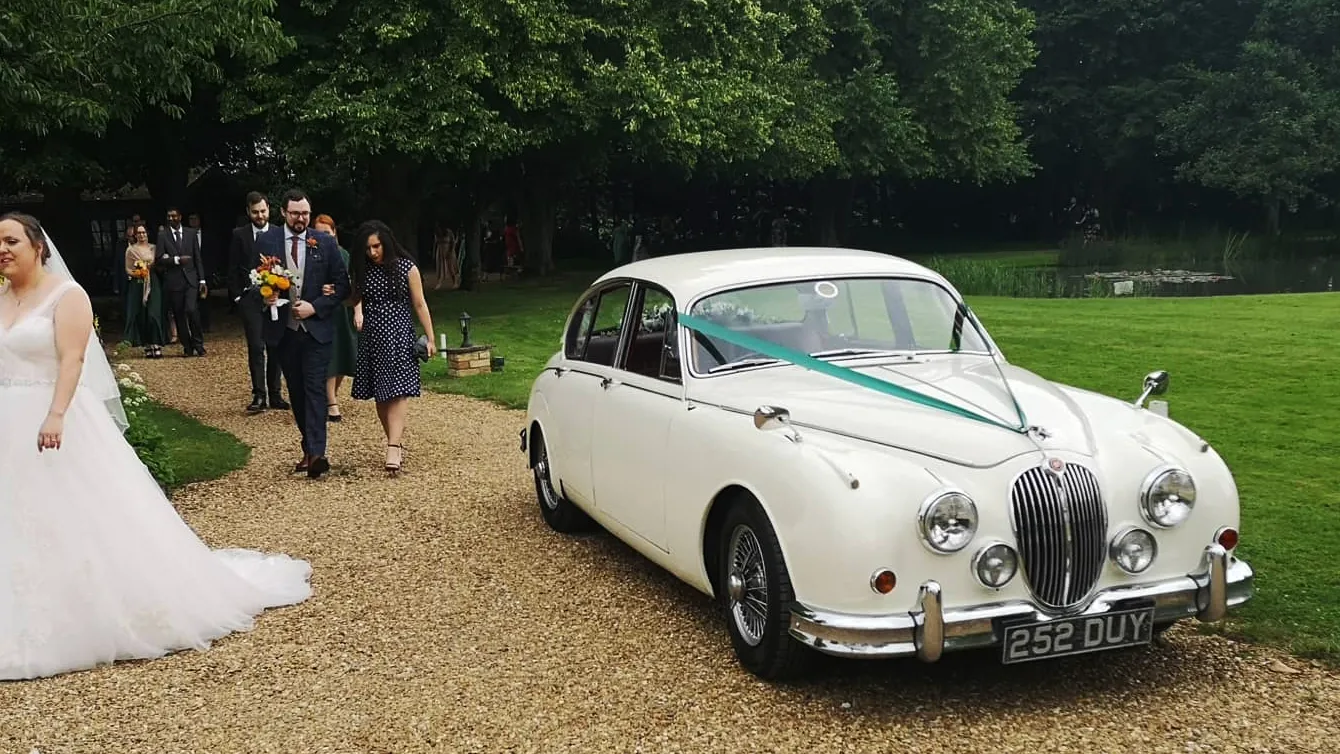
{"type": "Point", "coordinates": [1079, 635]}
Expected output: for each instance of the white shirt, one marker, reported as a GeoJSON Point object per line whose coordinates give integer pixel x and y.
{"type": "Point", "coordinates": [255, 233]}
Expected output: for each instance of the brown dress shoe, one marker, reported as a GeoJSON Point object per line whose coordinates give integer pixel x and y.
{"type": "Point", "coordinates": [317, 467]}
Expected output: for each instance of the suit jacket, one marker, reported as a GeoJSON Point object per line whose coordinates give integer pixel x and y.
{"type": "Point", "coordinates": [186, 273]}
{"type": "Point", "coordinates": [243, 257]}
{"type": "Point", "coordinates": [323, 265]}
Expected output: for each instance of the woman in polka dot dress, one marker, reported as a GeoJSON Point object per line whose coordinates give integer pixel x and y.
{"type": "Point", "coordinates": [388, 292]}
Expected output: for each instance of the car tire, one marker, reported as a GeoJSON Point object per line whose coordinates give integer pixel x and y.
{"type": "Point", "coordinates": [558, 511]}
{"type": "Point", "coordinates": [748, 549]}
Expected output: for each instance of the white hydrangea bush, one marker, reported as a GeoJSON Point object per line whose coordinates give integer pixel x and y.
{"type": "Point", "coordinates": [134, 393]}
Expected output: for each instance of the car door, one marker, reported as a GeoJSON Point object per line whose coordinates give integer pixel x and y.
{"type": "Point", "coordinates": [640, 398]}
{"type": "Point", "coordinates": [589, 347]}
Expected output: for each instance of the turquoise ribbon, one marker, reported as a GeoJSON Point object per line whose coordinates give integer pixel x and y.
{"type": "Point", "coordinates": [805, 361]}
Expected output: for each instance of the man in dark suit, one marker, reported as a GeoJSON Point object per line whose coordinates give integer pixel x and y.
{"type": "Point", "coordinates": [183, 271]}
{"type": "Point", "coordinates": [243, 257]}
{"type": "Point", "coordinates": [305, 326]}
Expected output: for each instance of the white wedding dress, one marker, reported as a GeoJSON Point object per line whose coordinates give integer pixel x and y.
{"type": "Point", "coordinates": [95, 564]}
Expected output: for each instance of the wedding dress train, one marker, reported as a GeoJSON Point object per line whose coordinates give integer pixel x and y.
{"type": "Point", "coordinates": [95, 564]}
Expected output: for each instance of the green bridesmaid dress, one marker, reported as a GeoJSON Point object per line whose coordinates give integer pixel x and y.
{"type": "Point", "coordinates": [144, 319]}
{"type": "Point", "coordinates": [345, 347]}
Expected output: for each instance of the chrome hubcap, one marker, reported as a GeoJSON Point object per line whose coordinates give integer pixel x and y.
{"type": "Point", "coordinates": [547, 493]}
{"type": "Point", "coordinates": [747, 585]}
{"type": "Point", "coordinates": [735, 587]}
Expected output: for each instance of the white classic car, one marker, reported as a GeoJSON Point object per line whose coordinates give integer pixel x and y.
{"type": "Point", "coordinates": [829, 442]}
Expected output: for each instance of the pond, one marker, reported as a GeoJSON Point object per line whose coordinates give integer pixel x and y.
{"type": "Point", "coordinates": [1289, 275]}
{"type": "Point", "coordinates": [1208, 267]}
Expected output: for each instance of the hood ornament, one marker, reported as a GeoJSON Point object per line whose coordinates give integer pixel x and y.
{"type": "Point", "coordinates": [1040, 433]}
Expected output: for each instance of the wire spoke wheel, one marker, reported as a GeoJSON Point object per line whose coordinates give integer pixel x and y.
{"type": "Point", "coordinates": [747, 585]}
{"type": "Point", "coordinates": [548, 495]}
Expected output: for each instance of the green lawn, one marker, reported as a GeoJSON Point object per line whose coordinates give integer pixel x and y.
{"type": "Point", "coordinates": [1255, 375]}
{"type": "Point", "coordinates": [197, 452]}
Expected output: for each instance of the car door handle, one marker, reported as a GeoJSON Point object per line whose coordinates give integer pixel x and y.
{"type": "Point", "coordinates": [606, 382]}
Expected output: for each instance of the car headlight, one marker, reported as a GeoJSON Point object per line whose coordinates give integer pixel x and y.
{"type": "Point", "coordinates": [948, 521]}
{"type": "Point", "coordinates": [1167, 497]}
{"type": "Point", "coordinates": [1134, 550]}
{"type": "Point", "coordinates": [995, 565]}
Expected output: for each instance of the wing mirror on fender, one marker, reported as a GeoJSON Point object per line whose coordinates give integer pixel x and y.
{"type": "Point", "coordinates": [775, 417]}
{"type": "Point", "coordinates": [1156, 383]}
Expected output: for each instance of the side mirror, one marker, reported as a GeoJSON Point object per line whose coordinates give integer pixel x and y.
{"type": "Point", "coordinates": [771, 417]}
{"type": "Point", "coordinates": [775, 417]}
{"type": "Point", "coordinates": [1156, 383]}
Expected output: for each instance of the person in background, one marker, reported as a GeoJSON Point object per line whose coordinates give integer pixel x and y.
{"type": "Point", "coordinates": [444, 254]}
{"type": "Point", "coordinates": [388, 292]}
{"type": "Point", "coordinates": [144, 295]}
{"type": "Point", "coordinates": [345, 345]}
{"type": "Point", "coordinates": [193, 221]}
{"type": "Point", "coordinates": [516, 250]}
{"type": "Point", "coordinates": [183, 274]}
{"type": "Point", "coordinates": [263, 360]}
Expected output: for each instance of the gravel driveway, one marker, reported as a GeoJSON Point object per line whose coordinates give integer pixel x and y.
{"type": "Point", "coordinates": [447, 617]}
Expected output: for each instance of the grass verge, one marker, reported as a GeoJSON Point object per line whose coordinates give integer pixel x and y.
{"type": "Point", "coordinates": [195, 452]}
{"type": "Point", "coordinates": [1253, 375]}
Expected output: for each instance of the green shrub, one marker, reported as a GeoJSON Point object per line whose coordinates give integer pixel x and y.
{"type": "Point", "coordinates": [149, 442]}
{"type": "Point", "coordinates": [151, 446]}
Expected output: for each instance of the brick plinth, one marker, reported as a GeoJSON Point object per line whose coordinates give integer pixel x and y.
{"type": "Point", "coordinates": [467, 362]}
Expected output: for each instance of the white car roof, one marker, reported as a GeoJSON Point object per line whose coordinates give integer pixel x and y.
{"type": "Point", "coordinates": [688, 275]}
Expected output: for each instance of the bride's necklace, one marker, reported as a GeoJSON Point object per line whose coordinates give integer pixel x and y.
{"type": "Point", "coordinates": [18, 300]}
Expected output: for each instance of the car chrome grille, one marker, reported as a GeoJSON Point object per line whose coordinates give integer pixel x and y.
{"type": "Point", "coordinates": [1060, 525]}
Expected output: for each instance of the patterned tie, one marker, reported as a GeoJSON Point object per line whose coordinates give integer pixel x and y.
{"type": "Point", "coordinates": [293, 322]}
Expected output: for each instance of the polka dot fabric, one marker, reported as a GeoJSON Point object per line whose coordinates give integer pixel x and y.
{"type": "Point", "coordinates": [387, 367]}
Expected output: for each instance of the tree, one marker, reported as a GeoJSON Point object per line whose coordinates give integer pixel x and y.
{"type": "Point", "coordinates": [72, 70]}
{"type": "Point", "coordinates": [81, 65]}
{"type": "Point", "coordinates": [1268, 127]}
{"type": "Point", "coordinates": [533, 90]}
{"type": "Point", "coordinates": [1107, 71]}
{"type": "Point", "coordinates": [910, 90]}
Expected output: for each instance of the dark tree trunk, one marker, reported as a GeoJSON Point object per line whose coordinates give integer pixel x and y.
{"type": "Point", "coordinates": [474, 242]}
{"type": "Point", "coordinates": [1273, 216]}
{"type": "Point", "coordinates": [537, 207]}
{"type": "Point", "coordinates": [830, 207]}
{"type": "Point", "coordinates": [538, 215]}
{"type": "Point", "coordinates": [392, 185]}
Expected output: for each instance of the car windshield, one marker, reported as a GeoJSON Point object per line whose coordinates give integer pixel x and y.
{"type": "Point", "coordinates": [834, 318]}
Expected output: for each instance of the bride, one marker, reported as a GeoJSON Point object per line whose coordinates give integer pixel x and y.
{"type": "Point", "coordinates": [95, 564]}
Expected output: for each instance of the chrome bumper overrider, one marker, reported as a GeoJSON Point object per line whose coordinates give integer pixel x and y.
{"type": "Point", "coordinates": [928, 630]}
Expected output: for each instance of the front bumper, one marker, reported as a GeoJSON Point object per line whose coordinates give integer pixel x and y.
{"type": "Point", "coordinates": [928, 630]}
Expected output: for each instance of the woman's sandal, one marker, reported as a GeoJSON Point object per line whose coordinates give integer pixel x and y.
{"type": "Point", "coordinates": [394, 468]}
{"type": "Point", "coordinates": [335, 416]}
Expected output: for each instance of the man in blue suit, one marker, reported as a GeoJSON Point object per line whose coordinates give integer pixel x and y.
{"type": "Point", "coordinates": [304, 328]}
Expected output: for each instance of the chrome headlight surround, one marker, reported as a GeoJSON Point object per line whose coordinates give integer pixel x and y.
{"type": "Point", "coordinates": [1167, 497]}
{"type": "Point", "coordinates": [1117, 548]}
{"type": "Point", "coordinates": [947, 521]}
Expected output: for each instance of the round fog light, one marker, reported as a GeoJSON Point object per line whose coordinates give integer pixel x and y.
{"type": "Point", "coordinates": [1134, 550]}
{"type": "Point", "coordinates": [995, 565]}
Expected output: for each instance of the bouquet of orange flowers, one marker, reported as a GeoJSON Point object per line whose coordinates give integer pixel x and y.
{"type": "Point", "coordinates": [139, 270]}
{"type": "Point", "coordinates": [271, 278]}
